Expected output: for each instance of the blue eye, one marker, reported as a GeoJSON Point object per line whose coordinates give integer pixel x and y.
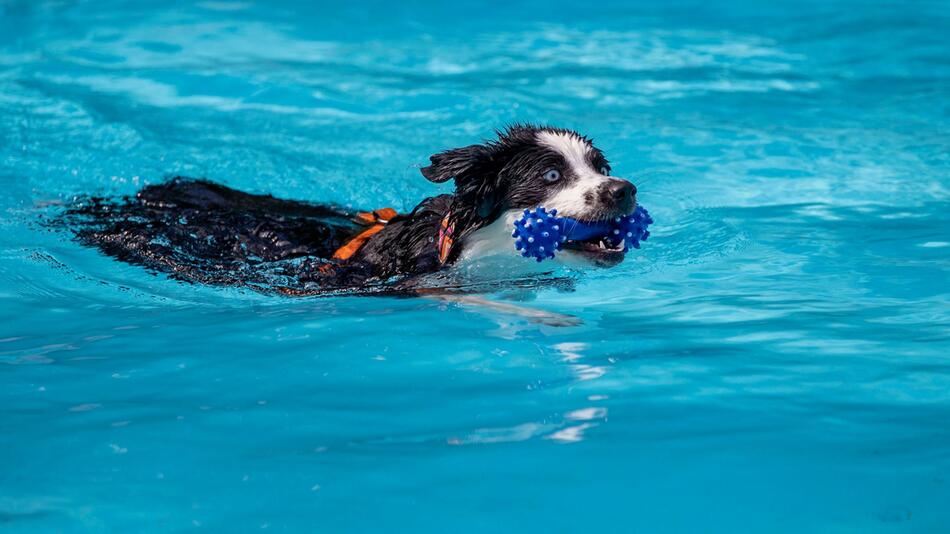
{"type": "Point", "coordinates": [552, 175]}
{"type": "Point", "coordinates": [605, 171]}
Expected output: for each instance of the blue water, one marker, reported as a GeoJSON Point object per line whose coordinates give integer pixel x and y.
{"type": "Point", "coordinates": [775, 359]}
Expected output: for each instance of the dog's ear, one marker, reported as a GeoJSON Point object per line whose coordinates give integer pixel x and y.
{"type": "Point", "coordinates": [457, 162]}
{"type": "Point", "coordinates": [475, 169]}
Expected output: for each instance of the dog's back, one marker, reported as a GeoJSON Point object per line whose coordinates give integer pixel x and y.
{"type": "Point", "coordinates": [199, 231]}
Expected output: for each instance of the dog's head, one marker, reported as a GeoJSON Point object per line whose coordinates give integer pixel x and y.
{"type": "Point", "coordinates": [532, 166]}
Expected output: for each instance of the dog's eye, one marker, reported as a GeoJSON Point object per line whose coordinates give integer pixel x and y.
{"type": "Point", "coordinates": [605, 171]}
{"type": "Point", "coordinates": [552, 175]}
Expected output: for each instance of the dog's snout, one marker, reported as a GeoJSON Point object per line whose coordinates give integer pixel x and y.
{"type": "Point", "coordinates": [621, 193]}
{"type": "Point", "coordinates": [621, 190]}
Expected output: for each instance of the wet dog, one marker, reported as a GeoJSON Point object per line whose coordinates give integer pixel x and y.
{"type": "Point", "coordinates": [199, 231]}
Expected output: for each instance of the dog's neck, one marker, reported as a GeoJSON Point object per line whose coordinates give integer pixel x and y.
{"type": "Point", "coordinates": [489, 237]}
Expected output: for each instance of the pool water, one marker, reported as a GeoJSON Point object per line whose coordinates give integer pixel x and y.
{"type": "Point", "coordinates": [776, 358]}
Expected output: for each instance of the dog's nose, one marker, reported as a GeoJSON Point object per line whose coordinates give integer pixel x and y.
{"type": "Point", "coordinates": [621, 190]}
{"type": "Point", "coordinates": [621, 193]}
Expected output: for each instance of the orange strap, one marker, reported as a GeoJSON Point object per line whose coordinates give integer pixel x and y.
{"type": "Point", "coordinates": [376, 219]}
{"type": "Point", "coordinates": [446, 237]}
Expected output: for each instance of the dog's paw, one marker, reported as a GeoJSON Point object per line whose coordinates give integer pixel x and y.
{"type": "Point", "coordinates": [533, 315]}
{"type": "Point", "coordinates": [557, 319]}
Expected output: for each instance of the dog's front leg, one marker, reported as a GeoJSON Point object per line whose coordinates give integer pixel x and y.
{"type": "Point", "coordinates": [532, 314]}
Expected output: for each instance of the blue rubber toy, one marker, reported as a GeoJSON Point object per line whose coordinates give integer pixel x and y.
{"type": "Point", "coordinates": [541, 233]}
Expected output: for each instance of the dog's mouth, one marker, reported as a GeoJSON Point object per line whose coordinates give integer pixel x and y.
{"type": "Point", "coordinates": [597, 250]}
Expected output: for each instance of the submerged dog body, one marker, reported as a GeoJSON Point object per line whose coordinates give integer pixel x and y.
{"type": "Point", "coordinates": [203, 232]}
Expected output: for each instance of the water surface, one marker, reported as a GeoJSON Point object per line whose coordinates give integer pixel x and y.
{"type": "Point", "coordinates": [776, 358]}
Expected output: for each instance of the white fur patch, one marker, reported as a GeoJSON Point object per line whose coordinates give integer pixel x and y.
{"type": "Point", "coordinates": [570, 201]}
{"type": "Point", "coordinates": [573, 148]}
{"type": "Point", "coordinates": [492, 249]}
{"type": "Point", "coordinates": [493, 239]}
{"type": "Point", "coordinates": [490, 252]}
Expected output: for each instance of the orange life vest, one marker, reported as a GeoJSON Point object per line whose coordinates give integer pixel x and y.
{"type": "Point", "coordinates": [376, 220]}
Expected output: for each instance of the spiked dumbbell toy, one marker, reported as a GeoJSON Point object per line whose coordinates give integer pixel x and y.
{"type": "Point", "coordinates": [540, 233]}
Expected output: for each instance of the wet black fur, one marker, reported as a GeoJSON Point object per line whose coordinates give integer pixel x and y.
{"type": "Point", "coordinates": [203, 232]}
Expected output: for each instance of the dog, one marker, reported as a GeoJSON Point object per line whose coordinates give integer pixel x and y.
{"type": "Point", "coordinates": [199, 231]}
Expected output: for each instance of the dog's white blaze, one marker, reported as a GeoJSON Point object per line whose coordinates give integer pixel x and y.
{"type": "Point", "coordinates": [570, 201]}
{"type": "Point", "coordinates": [572, 147]}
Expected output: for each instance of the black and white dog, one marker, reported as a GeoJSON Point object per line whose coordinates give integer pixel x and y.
{"type": "Point", "coordinates": [203, 232]}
